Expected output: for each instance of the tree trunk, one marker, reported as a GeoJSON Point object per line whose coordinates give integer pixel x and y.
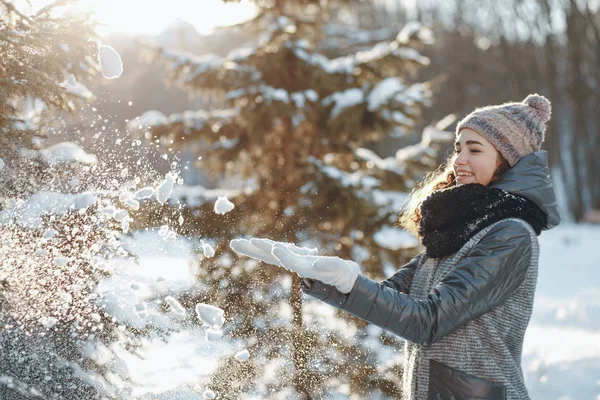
{"type": "Point", "coordinates": [301, 378]}
{"type": "Point", "coordinates": [576, 90]}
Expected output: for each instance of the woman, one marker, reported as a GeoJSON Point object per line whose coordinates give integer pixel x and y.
{"type": "Point", "coordinates": [464, 303]}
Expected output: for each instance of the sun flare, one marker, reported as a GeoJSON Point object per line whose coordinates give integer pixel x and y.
{"type": "Point", "coordinates": [151, 17]}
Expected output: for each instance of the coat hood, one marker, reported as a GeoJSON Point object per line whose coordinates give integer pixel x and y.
{"type": "Point", "coordinates": [530, 178]}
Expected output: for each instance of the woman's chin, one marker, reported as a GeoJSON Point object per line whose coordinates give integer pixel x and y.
{"type": "Point", "coordinates": [465, 180]}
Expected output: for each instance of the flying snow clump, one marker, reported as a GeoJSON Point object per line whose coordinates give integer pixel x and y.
{"type": "Point", "coordinates": [165, 188]}
{"type": "Point", "coordinates": [110, 62]}
{"type": "Point", "coordinates": [210, 315]}
{"type": "Point", "coordinates": [223, 205]}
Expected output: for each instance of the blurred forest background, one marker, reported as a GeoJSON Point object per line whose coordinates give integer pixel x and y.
{"type": "Point", "coordinates": [485, 52]}
{"type": "Point", "coordinates": [315, 118]}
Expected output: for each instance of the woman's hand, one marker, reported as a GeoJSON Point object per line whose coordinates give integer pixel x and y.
{"type": "Point", "coordinates": [330, 270]}
{"type": "Point", "coordinates": [260, 249]}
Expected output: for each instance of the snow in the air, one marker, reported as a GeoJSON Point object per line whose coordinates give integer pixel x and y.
{"type": "Point", "coordinates": [1, 164]}
{"type": "Point", "coordinates": [207, 250]}
{"type": "Point", "coordinates": [223, 205]}
{"type": "Point", "coordinates": [210, 315]}
{"type": "Point", "coordinates": [67, 152]}
{"type": "Point", "coordinates": [76, 88]}
{"type": "Point", "coordinates": [198, 194]}
{"type": "Point", "coordinates": [165, 188]}
{"type": "Point", "coordinates": [175, 306]}
{"type": "Point", "coordinates": [144, 193]}
{"type": "Point", "coordinates": [30, 212]}
{"type": "Point", "coordinates": [209, 394]}
{"type": "Point", "coordinates": [110, 62]}
{"type": "Point", "coordinates": [243, 355]}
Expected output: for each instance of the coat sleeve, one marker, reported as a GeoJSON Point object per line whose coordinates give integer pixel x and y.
{"type": "Point", "coordinates": [400, 281]}
{"type": "Point", "coordinates": [492, 271]}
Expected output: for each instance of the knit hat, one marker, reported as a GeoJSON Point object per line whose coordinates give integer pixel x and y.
{"type": "Point", "coordinates": [515, 129]}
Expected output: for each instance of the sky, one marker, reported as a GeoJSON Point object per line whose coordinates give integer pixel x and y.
{"type": "Point", "coordinates": [151, 17]}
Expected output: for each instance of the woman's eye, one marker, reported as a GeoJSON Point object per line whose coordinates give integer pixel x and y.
{"type": "Point", "coordinates": [475, 151]}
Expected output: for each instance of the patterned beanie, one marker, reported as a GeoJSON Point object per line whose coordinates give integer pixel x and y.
{"type": "Point", "coordinates": [515, 129]}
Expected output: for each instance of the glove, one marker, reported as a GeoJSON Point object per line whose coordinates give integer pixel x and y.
{"type": "Point", "coordinates": [330, 270]}
{"type": "Point", "coordinates": [260, 249]}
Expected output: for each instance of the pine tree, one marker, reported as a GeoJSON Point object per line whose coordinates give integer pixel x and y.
{"type": "Point", "coordinates": [290, 151]}
{"type": "Point", "coordinates": [47, 278]}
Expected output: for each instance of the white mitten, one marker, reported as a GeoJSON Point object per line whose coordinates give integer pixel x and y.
{"type": "Point", "coordinates": [330, 270]}
{"type": "Point", "coordinates": [260, 249]}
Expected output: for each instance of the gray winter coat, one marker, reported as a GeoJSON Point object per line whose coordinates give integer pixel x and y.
{"type": "Point", "coordinates": [464, 316]}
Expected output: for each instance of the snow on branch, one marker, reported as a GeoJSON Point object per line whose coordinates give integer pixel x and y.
{"type": "Point", "coordinates": [195, 196]}
{"type": "Point", "coordinates": [211, 71]}
{"type": "Point", "coordinates": [190, 120]}
{"type": "Point", "coordinates": [386, 164]}
{"type": "Point", "coordinates": [356, 179]}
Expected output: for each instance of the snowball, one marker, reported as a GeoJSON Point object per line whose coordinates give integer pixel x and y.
{"type": "Point", "coordinates": [165, 188]}
{"type": "Point", "coordinates": [223, 205]}
{"type": "Point", "coordinates": [210, 315]}
{"type": "Point", "coordinates": [48, 322]}
{"type": "Point", "coordinates": [110, 62]}
{"type": "Point", "coordinates": [208, 250]}
{"type": "Point", "coordinates": [144, 193]}
{"type": "Point", "coordinates": [243, 355]}
{"type": "Point", "coordinates": [176, 306]}
{"type": "Point", "coordinates": [213, 334]}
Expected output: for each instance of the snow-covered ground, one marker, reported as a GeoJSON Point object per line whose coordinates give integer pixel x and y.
{"type": "Point", "coordinates": [561, 357]}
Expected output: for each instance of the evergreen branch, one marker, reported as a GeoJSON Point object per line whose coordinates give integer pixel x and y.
{"type": "Point", "coordinates": [50, 7]}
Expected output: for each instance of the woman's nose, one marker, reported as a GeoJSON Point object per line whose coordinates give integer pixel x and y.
{"type": "Point", "coordinates": [460, 159]}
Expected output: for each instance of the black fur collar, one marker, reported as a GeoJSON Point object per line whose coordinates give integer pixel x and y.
{"type": "Point", "coordinates": [450, 217]}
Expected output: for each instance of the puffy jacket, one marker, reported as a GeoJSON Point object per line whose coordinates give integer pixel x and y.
{"type": "Point", "coordinates": [463, 316]}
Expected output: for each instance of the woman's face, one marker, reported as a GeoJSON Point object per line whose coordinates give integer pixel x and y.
{"type": "Point", "coordinates": [476, 159]}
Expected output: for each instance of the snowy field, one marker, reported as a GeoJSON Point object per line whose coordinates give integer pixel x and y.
{"type": "Point", "coordinates": [561, 357]}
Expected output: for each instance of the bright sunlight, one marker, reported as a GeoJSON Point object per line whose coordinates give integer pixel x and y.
{"type": "Point", "coordinates": [151, 17]}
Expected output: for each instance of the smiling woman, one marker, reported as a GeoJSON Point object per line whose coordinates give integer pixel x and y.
{"type": "Point", "coordinates": [149, 18]}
